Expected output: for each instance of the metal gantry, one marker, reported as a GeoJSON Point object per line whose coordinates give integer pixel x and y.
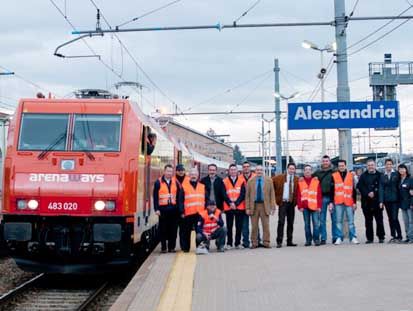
{"type": "Point", "coordinates": [384, 79]}
{"type": "Point", "coordinates": [340, 23]}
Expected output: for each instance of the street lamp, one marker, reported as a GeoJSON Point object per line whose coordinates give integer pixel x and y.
{"type": "Point", "coordinates": [286, 98]}
{"type": "Point", "coordinates": [329, 48]}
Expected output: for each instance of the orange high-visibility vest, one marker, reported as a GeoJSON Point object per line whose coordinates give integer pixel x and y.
{"type": "Point", "coordinates": [343, 190]}
{"type": "Point", "coordinates": [194, 200]}
{"type": "Point", "coordinates": [233, 192]}
{"type": "Point", "coordinates": [246, 180]}
{"type": "Point", "coordinates": [210, 225]}
{"type": "Point", "coordinates": [167, 197]}
{"type": "Point", "coordinates": [309, 193]}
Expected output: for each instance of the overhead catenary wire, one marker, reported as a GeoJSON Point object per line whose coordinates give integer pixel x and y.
{"type": "Point", "coordinates": [123, 45]}
{"type": "Point", "coordinates": [148, 13]}
{"type": "Point", "coordinates": [247, 11]}
{"type": "Point", "coordinates": [379, 38]}
{"type": "Point", "coordinates": [378, 29]}
{"type": "Point", "coordinates": [251, 92]}
{"type": "Point", "coordinates": [354, 8]}
{"type": "Point", "coordinates": [26, 80]}
{"type": "Point", "coordinates": [229, 90]}
{"type": "Point", "coordinates": [111, 69]}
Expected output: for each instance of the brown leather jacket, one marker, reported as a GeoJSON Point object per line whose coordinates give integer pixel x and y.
{"type": "Point", "coordinates": [278, 182]}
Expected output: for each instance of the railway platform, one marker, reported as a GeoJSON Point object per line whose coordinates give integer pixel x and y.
{"type": "Point", "coordinates": [374, 277]}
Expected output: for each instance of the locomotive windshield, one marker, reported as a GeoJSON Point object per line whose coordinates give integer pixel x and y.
{"type": "Point", "coordinates": [96, 132]}
{"type": "Point", "coordinates": [43, 131]}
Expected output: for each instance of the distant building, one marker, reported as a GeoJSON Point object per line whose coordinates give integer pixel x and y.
{"type": "Point", "coordinates": [201, 143]}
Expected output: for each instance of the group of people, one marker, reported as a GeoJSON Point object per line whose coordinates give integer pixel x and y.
{"type": "Point", "coordinates": [186, 202]}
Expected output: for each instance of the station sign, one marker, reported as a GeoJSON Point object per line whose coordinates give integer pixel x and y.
{"type": "Point", "coordinates": [343, 115]}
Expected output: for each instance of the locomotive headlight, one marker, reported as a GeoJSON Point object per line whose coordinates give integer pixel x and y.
{"type": "Point", "coordinates": [110, 206]}
{"type": "Point", "coordinates": [21, 204]}
{"type": "Point", "coordinates": [100, 205]}
{"type": "Point", "coordinates": [33, 204]}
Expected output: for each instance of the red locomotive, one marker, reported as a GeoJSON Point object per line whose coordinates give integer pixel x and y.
{"type": "Point", "coordinates": [78, 175]}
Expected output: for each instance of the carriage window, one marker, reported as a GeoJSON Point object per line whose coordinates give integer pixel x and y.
{"type": "Point", "coordinates": [43, 131]}
{"type": "Point", "coordinates": [97, 132]}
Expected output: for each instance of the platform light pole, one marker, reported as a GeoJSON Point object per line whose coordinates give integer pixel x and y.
{"type": "Point", "coordinates": [329, 48]}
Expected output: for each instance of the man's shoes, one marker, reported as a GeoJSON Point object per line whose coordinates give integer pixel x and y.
{"type": "Point", "coordinates": [381, 241]}
{"type": "Point", "coordinates": [323, 242]}
{"type": "Point", "coordinates": [291, 244]}
{"type": "Point", "coordinates": [185, 250]}
{"type": "Point", "coordinates": [164, 251]}
{"type": "Point", "coordinates": [220, 250]}
{"type": "Point", "coordinates": [410, 242]}
{"type": "Point", "coordinates": [354, 241]}
{"type": "Point", "coordinates": [171, 251]}
{"type": "Point", "coordinates": [369, 241]}
{"type": "Point", "coordinates": [397, 241]}
{"type": "Point", "coordinates": [228, 247]}
{"type": "Point", "coordinates": [260, 245]}
{"type": "Point", "coordinates": [267, 245]}
{"type": "Point", "coordinates": [245, 246]}
{"type": "Point", "coordinates": [338, 241]}
{"type": "Point", "coordinates": [392, 240]}
{"type": "Point", "coordinates": [333, 241]}
{"type": "Point", "coordinates": [307, 244]}
{"type": "Point", "coordinates": [254, 246]}
{"type": "Point", "coordinates": [237, 247]}
{"type": "Point", "coordinates": [317, 243]}
{"type": "Point", "coordinates": [279, 245]}
{"type": "Point", "coordinates": [405, 241]}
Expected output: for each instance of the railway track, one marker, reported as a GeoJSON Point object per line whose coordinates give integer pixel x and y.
{"type": "Point", "coordinates": [44, 292]}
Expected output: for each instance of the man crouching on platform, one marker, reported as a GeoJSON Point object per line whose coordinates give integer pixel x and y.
{"type": "Point", "coordinates": [210, 227]}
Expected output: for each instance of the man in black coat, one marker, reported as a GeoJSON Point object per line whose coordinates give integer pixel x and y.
{"type": "Point", "coordinates": [216, 192]}
{"type": "Point", "coordinates": [389, 199]}
{"type": "Point", "coordinates": [369, 185]}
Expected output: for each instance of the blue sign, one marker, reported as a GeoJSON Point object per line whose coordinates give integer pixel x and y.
{"type": "Point", "coordinates": [343, 115]}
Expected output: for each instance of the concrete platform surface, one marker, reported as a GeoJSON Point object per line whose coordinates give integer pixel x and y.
{"type": "Point", "coordinates": [375, 277]}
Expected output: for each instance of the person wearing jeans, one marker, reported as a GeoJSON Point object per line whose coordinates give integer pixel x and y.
{"type": "Point", "coordinates": [246, 175]}
{"type": "Point", "coordinates": [345, 196]}
{"type": "Point", "coordinates": [324, 175]}
{"type": "Point", "coordinates": [406, 203]}
{"type": "Point", "coordinates": [309, 202]}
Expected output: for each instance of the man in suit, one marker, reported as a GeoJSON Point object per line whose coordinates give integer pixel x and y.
{"type": "Point", "coordinates": [389, 199]}
{"type": "Point", "coordinates": [369, 185]}
{"type": "Point", "coordinates": [214, 187]}
{"type": "Point", "coordinates": [260, 204]}
{"type": "Point", "coordinates": [285, 187]}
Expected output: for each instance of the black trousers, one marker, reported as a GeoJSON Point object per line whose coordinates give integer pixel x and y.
{"type": "Point", "coordinates": [238, 216]}
{"type": "Point", "coordinates": [392, 210]}
{"type": "Point", "coordinates": [373, 211]}
{"type": "Point", "coordinates": [168, 229]}
{"type": "Point", "coordinates": [286, 210]}
{"type": "Point", "coordinates": [218, 235]}
{"type": "Point", "coordinates": [188, 224]}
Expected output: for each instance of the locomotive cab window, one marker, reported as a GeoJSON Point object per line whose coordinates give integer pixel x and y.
{"type": "Point", "coordinates": [148, 140]}
{"type": "Point", "coordinates": [43, 131]}
{"type": "Point", "coordinates": [97, 132]}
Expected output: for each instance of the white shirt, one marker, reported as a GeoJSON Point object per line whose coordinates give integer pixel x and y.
{"type": "Point", "coordinates": [286, 190]}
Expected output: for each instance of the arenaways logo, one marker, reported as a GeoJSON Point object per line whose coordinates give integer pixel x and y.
{"type": "Point", "coordinates": [64, 178]}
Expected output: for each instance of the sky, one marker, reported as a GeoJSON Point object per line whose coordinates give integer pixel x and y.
{"type": "Point", "coordinates": [203, 70]}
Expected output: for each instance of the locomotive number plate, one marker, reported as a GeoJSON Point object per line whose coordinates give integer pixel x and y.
{"type": "Point", "coordinates": [59, 206]}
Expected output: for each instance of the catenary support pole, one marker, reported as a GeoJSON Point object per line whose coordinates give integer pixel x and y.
{"type": "Point", "coordinates": [278, 148]}
{"type": "Point", "coordinates": [343, 89]}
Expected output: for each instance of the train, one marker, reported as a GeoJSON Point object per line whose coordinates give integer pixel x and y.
{"type": "Point", "coordinates": [77, 183]}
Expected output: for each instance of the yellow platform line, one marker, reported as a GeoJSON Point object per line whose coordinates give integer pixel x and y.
{"type": "Point", "coordinates": [177, 294]}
